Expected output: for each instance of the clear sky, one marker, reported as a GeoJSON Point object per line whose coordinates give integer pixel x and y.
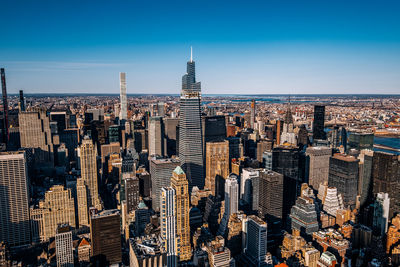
{"type": "Point", "coordinates": [241, 47]}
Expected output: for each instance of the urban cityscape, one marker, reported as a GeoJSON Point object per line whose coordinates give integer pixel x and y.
{"type": "Point", "coordinates": [186, 178]}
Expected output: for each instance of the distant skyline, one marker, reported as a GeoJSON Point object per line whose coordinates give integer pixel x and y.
{"type": "Point", "coordinates": [240, 47]}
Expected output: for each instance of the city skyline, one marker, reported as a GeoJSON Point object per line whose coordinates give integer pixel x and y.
{"type": "Point", "coordinates": [264, 48]}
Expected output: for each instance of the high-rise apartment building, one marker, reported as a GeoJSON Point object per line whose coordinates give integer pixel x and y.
{"type": "Point", "coordinates": [385, 173]}
{"type": "Point", "coordinates": [5, 125]}
{"type": "Point", "coordinates": [124, 106]}
{"type": "Point", "coordinates": [156, 136]}
{"type": "Point", "coordinates": [252, 113]}
{"type": "Point", "coordinates": [181, 186]}
{"type": "Point", "coordinates": [217, 163]}
{"type": "Point", "coordinates": [105, 234]}
{"type": "Point", "coordinates": [343, 174]}
{"type": "Point", "coordinates": [231, 195]}
{"type": "Point", "coordinates": [88, 157]}
{"type": "Point", "coordinates": [81, 201]}
{"type": "Point", "coordinates": [14, 199]}
{"type": "Point", "coordinates": [64, 247]}
{"type": "Point", "coordinates": [190, 128]}
{"type": "Point", "coordinates": [256, 240]}
{"type": "Point", "coordinates": [318, 171]}
{"type": "Point", "coordinates": [160, 171]}
{"type": "Point", "coordinates": [34, 131]}
{"type": "Point", "coordinates": [319, 122]}
{"type": "Point", "coordinates": [168, 217]}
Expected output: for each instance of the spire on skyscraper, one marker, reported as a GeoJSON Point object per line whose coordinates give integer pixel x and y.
{"type": "Point", "coordinates": [191, 54]}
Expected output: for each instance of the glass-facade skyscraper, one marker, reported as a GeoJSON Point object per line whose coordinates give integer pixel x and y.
{"type": "Point", "coordinates": [190, 128]}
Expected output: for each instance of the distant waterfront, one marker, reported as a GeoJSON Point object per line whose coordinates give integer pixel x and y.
{"type": "Point", "coordinates": [387, 141]}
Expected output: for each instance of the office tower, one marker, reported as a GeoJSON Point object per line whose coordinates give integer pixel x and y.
{"type": "Point", "coordinates": [122, 96]}
{"type": "Point", "coordinates": [231, 195]}
{"type": "Point", "coordinates": [156, 136]}
{"type": "Point", "coordinates": [5, 107]}
{"type": "Point", "coordinates": [190, 132]}
{"type": "Point", "coordinates": [161, 109]}
{"type": "Point", "coordinates": [88, 155]}
{"type": "Point", "coordinates": [61, 118]}
{"type": "Point", "coordinates": [114, 134]}
{"type": "Point", "coordinates": [214, 128]}
{"type": "Point", "coordinates": [14, 199]}
{"type": "Point", "coordinates": [64, 248]}
{"type": "Point", "coordinates": [319, 122]}
{"type": "Point", "coordinates": [246, 185]}
{"type": "Point", "coordinates": [218, 254]}
{"type": "Point", "coordinates": [217, 164]}
{"type": "Point", "coordinates": [381, 214]}
{"type": "Point", "coordinates": [58, 207]}
{"type": "Point", "coordinates": [234, 148]}
{"type": "Point", "coordinates": [81, 200]}
{"type": "Point", "coordinates": [318, 158]}
{"type": "Point", "coordinates": [105, 234]}
{"type": "Point", "coordinates": [108, 149]}
{"type": "Point", "coordinates": [360, 139]}
{"type": "Point", "coordinates": [262, 146]}
{"type": "Point", "coordinates": [331, 200]}
{"type": "Point", "coordinates": [144, 183]}
{"type": "Point", "coordinates": [142, 218]}
{"type": "Point", "coordinates": [303, 215]}
{"type": "Point", "coordinates": [385, 173]}
{"type": "Point", "coordinates": [267, 160]}
{"type": "Point", "coordinates": [94, 114]}
{"type": "Point", "coordinates": [270, 195]}
{"type": "Point", "coordinates": [21, 100]}
{"type": "Point", "coordinates": [132, 195]}
{"type": "Point", "coordinates": [160, 172]}
{"type": "Point", "coordinates": [288, 135]}
{"type": "Point", "coordinates": [252, 113]}
{"type": "Point", "coordinates": [141, 256]}
{"type": "Point", "coordinates": [302, 137]}
{"type": "Point", "coordinates": [168, 216]}
{"type": "Point", "coordinates": [343, 174]}
{"type": "Point", "coordinates": [34, 130]}
{"type": "Point", "coordinates": [288, 161]}
{"type": "Point", "coordinates": [256, 240]}
{"type": "Point", "coordinates": [181, 186]}
{"type": "Point", "coordinates": [170, 132]}
{"type": "Point", "coordinates": [365, 171]}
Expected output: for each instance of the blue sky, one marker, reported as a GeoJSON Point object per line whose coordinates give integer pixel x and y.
{"type": "Point", "coordinates": [242, 47]}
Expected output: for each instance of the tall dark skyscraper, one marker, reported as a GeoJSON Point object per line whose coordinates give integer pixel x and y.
{"type": "Point", "coordinates": [318, 124]}
{"type": "Point", "coordinates": [21, 100]}
{"type": "Point", "coordinates": [5, 106]}
{"type": "Point", "coordinates": [190, 128]}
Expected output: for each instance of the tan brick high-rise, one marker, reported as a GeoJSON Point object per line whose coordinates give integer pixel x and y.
{"type": "Point", "coordinates": [81, 196]}
{"type": "Point", "coordinates": [88, 154]}
{"type": "Point", "coordinates": [181, 186]}
{"type": "Point", "coordinates": [217, 163]}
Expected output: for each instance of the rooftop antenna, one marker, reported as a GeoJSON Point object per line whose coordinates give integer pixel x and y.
{"type": "Point", "coordinates": [191, 54]}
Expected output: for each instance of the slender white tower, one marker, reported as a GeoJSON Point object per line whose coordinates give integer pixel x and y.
{"type": "Point", "coordinates": [124, 112]}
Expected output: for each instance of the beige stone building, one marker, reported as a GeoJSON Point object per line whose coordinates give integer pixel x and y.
{"type": "Point", "coordinates": [217, 163]}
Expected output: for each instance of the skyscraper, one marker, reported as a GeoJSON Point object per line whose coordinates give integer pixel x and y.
{"type": "Point", "coordinates": [160, 170]}
{"type": "Point", "coordinates": [181, 186]}
{"type": "Point", "coordinates": [190, 132]}
{"type": "Point", "coordinates": [21, 100]}
{"type": "Point", "coordinates": [343, 174]}
{"type": "Point", "coordinates": [231, 195]}
{"type": "Point", "coordinates": [318, 123]}
{"type": "Point", "coordinates": [81, 200]}
{"type": "Point", "coordinates": [132, 196]}
{"type": "Point", "coordinates": [88, 154]}
{"type": "Point", "coordinates": [253, 113]}
{"type": "Point", "coordinates": [318, 165]}
{"type": "Point", "coordinates": [105, 234]}
{"type": "Point", "coordinates": [5, 107]}
{"type": "Point", "coordinates": [64, 248]}
{"type": "Point", "coordinates": [14, 199]}
{"type": "Point", "coordinates": [156, 136]}
{"type": "Point", "coordinates": [217, 164]}
{"type": "Point", "coordinates": [124, 111]}
{"type": "Point", "coordinates": [270, 195]}
{"type": "Point", "coordinates": [256, 240]}
{"type": "Point", "coordinates": [34, 131]}
{"type": "Point", "coordinates": [168, 217]}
